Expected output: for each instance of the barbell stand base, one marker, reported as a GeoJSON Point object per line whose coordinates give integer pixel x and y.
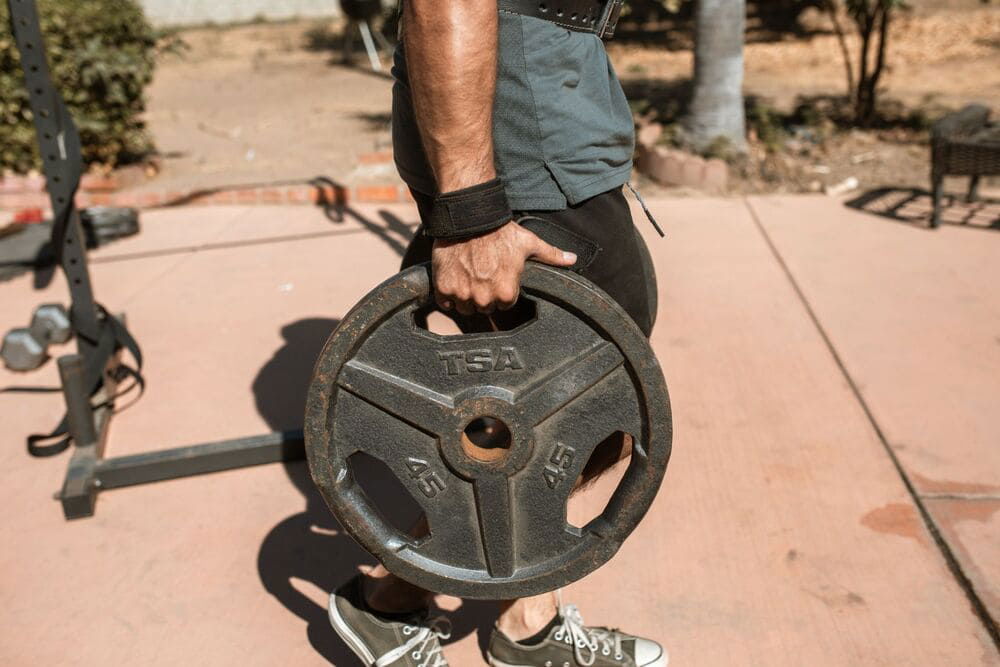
{"type": "Point", "coordinates": [199, 459]}
{"type": "Point", "coordinates": [88, 428]}
{"type": "Point", "coordinates": [89, 472]}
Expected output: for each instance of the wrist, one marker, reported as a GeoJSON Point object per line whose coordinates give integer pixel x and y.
{"type": "Point", "coordinates": [482, 237]}
{"type": "Point", "coordinates": [469, 212]}
{"type": "Point", "coordinates": [462, 172]}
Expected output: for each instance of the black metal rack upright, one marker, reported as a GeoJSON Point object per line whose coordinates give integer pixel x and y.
{"type": "Point", "coordinates": [90, 377]}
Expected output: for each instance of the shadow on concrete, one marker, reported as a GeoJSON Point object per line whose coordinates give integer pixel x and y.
{"type": "Point", "coordinates": [28, 250]}
{"type": "Point", "coordinates": [308, 546]}
{"type": "Point", "coordinates": [376, 120]}
{"type": "Point", "coordinates": [311, 546]}
{"type": "Point", "coordinates": [326, 191]}
{"type": "Point", "coordinates": [329, 196]}
{"type": "Point", "coordinates": [393, 231]}
{"type": "Point", "coordinates": [913, 207]}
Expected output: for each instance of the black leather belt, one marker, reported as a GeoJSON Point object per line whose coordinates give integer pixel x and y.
{"type": "Point", "coordinates": [593, 16]}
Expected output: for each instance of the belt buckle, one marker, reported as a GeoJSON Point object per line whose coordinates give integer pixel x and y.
{"type": "Point", "coordinates": [609, 18]}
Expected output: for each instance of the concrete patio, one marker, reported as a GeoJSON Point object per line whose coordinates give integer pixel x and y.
{"type": "Point", "coordinates": [832, 497]}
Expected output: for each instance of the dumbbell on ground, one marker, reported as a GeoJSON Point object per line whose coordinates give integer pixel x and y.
{"type": "Point", "coordinates": [50, 324]}
{"type": "Point", "coordinates": [25, 348]}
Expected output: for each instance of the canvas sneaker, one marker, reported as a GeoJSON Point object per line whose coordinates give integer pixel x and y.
{"type": "Point", "coordinates": [572, 644]}
{"type": "Point", "coordinates": [414, 641]}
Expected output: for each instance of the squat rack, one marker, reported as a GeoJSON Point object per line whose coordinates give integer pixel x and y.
{"type": "Point", "coordinates": [90, 378]}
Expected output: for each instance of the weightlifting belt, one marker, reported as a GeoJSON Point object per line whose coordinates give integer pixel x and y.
{"type": "Point", "coordinates": [593, 16]}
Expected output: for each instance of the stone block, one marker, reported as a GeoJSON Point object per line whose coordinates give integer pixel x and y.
{"type": "Point", "coordinates": [716, 176]}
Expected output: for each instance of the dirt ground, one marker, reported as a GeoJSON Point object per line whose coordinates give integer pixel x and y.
{"type": "Point", "coordinates": [271, 102]}
{"type": "Point", "coordinates": [258, 104]}
{"type": "Point", "coordinates": [942, 56]}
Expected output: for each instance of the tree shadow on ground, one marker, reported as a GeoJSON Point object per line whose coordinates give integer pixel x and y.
{"type": "Point", "coordinates": [643, 23]}
{"type": "Point", "coordinates": [375, 120]}
{"type": "Point", "coordinates": [913, 206]}
{"type": "Point", "coordinates": [346, 49]}
{"type": "Point", "coordinates": [666, 100]}
{"type": "Point", "coordinates": [838, 111]}
{"type": "Point", "coordinates": [649, 23]}
{"type": "Point", "coordinates": [310, 546]}
{"type": "Point", "coordinates": [812, 122]}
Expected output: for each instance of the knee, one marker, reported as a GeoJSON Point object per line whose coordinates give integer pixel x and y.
{"type": "Point", "coordinates": [608, 452]}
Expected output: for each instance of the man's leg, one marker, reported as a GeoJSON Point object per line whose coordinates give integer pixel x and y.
{"type": "Point", "coordinates": [525, 617]}
{"type": "Point", "coordinates": [385, 592]}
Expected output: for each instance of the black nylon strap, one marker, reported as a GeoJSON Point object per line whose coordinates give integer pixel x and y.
{"type": "Point", "coordinates": [468, 212]}
{"type": "Point", "coordinates": [99, 335]}
{"type": "Point", "coordinates": [114, 335]}
{"type": "Point", "coordinates": [593, 16]}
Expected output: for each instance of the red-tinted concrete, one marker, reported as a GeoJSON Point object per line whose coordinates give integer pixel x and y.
{"type": "Point", "coordinates": [783, 535]}
{"type": "Point", "coordinates": [214, 570]}
{"type": "Point", "coordinates": [775, 460]}
{"type": "Point", "coordinates": [972, 527]}
{"type": "Point", "coordinates": [915, 316]}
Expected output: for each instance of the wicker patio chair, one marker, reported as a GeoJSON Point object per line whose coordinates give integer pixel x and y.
{"type": "Point", "coordinates": [963, 143]}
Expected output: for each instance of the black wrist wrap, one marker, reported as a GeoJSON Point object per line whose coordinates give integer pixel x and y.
{"type": "Point", "coordinates": [469, 211]}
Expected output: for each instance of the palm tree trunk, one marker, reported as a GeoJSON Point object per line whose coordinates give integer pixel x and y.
{"type": "Point", "coordinates": [717, 104]}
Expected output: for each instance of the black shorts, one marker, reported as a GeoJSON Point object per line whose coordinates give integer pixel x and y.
{"type": "Point", "coordinates": [610, 252]}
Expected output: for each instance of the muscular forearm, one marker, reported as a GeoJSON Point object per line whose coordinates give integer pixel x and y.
{"type": "Point", "coordinates": [451, 57]}
{"type": "Point", "coordinates": [451, 53]}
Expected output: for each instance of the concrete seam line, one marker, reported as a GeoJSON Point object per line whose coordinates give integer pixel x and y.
{"type": "Point", "coordinates": [223, 245]}
{"type": "Point", "coordinates": [969, 497]}
{"type": "Point", "coordinates": [961, 578]}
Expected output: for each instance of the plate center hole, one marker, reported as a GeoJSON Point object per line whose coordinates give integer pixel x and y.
{"type": "Point", "coordinates": [486, 439]}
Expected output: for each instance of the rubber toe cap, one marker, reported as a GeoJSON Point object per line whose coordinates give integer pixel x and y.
{"type": "Point", "coordinates": [649, 654]}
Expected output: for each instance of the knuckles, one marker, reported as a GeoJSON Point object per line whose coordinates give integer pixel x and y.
{"type": "Point", "coordinates": [505, 291]}
{"type": "Point", "coordinates": [506, 295]}
{"type": "Point", "coordinates": [447, 288]}
{"type": "Point", "coordinates": [468, 292]}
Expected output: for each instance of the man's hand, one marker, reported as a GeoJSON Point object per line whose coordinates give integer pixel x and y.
{"type": "Point", "coordinates": [484, 273]}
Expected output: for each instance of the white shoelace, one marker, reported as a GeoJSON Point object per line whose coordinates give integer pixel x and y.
{"type": "Point", "coordinates": [573, 631]}
{"type": "Point", "coordinates": [424, 646]}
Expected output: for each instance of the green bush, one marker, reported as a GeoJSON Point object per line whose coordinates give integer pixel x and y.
{"type": "Point", "coordinates": [100, 54]}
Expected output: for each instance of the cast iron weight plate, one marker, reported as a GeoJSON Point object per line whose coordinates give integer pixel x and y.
{"type": "Point", "coordinates": [562, 382]}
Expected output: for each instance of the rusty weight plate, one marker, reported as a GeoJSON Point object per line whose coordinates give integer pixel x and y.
{"type": "Point", "coordinates": [578, 372]}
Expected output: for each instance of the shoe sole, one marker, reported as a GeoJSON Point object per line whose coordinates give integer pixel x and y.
{"type": "Point", "coordinates": [345, 632]}
{"type": "Point", "coordinates": [496, 663]}
{"type": "Point", "coordinates": [662, 661]}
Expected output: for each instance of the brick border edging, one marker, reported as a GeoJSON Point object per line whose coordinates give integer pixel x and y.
{"type": "Point", "coordinates": [303, 193]}
{"type": "Point", "coordinates": [18, 193]}
{"type": "Point", "coordinates": [118, 188]}
{"type": "Point", "coordinates": [672, 166]}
